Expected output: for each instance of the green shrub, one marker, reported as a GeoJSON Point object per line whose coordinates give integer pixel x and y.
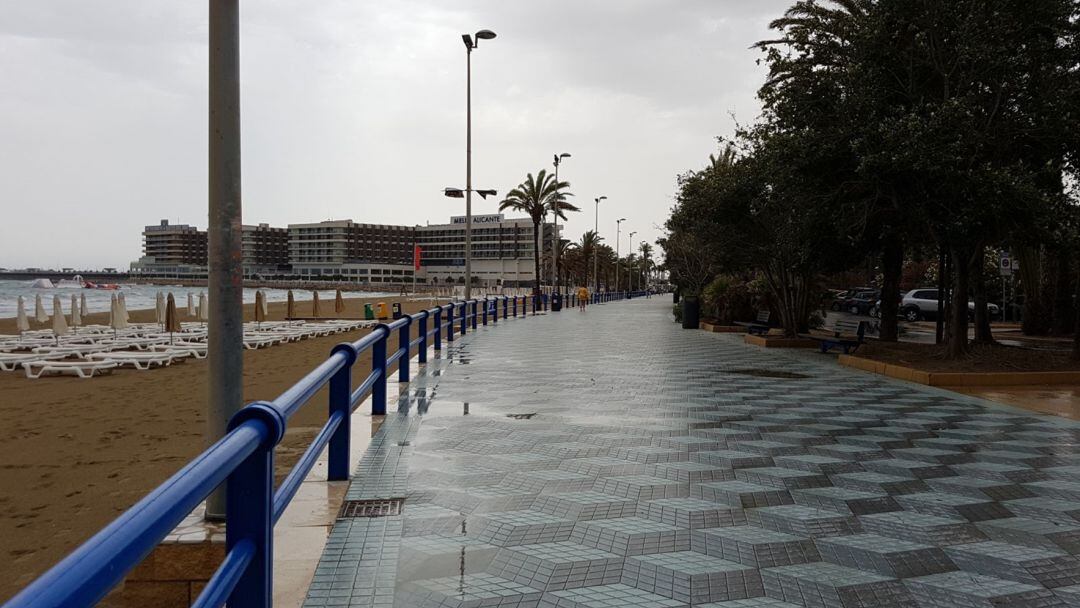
{"type": "Point", "coordinates": [677, 311]}
{"type": "Point", "coordinates": [729, 298]}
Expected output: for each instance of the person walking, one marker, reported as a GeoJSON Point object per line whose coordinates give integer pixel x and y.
{"type": "Point", "coordinates": [582, 297]}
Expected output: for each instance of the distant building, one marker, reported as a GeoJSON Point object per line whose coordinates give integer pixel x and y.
{"type": "Point", "coordinates": [265, 250]}
{"type": "Point", "coordinates": [502, 251]}
{"type": "Point", "coordinates": [176, 250]}
{"type": "Point", "coordinates": [365, 253]}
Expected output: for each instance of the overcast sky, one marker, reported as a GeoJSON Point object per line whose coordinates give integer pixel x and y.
{"type": "Point", "coordinates": [357, 110]}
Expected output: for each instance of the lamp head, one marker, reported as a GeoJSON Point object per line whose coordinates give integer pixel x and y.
{"type": "Point", "coordinates": [486, 193]}
{"type": "Point", "coordinates": [485, 35]}
{"type": "Point", "coordinates": [602, 198]}
{"type": "Point", "coordinates": [467, 39]}
{"type": "Point", "coordinates": [564, 155]}
{"type": "Point", "coordinates": [621, 220]}
{"type": "Point", "coordinates": [454, 192]}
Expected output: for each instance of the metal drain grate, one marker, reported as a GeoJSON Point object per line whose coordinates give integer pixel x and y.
{"type": "Point", "coordinates": [371, 508]}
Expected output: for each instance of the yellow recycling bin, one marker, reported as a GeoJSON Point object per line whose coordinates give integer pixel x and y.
{"type": "Point", "coordinates": [381, 307]}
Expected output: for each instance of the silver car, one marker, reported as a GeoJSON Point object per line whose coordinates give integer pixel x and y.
{"type": "Point", "coordinates": [919, 304]}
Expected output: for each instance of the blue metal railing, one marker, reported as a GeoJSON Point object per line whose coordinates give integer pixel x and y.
{"type": "Point", "coordinates": [244, 458]}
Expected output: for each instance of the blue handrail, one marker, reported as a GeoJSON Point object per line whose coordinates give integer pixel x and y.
{"type": "Point", "coordinates": [244, 459]}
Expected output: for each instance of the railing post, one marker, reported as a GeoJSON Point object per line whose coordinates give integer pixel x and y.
{"type": "Point", "coordinates": [484, 304]}
{"type": "Point", "coordinates": [506, 304]}
{"type": "Point", "coordinates": [475, 304]}
{"type": "Point", "coordinates": [494, 305]}
{"type": "Point", "coordinates": [378, 364]}
{"type": "Point", "coordinates": [450, 322]}
{"type": "Point", "coordinates": [464, 317]}
{"type": "Point", "coordinates": [439, 328]}
{"type": "Point", "coordinates": [249, 500]}
{"type": "Point", "coordinates": [404, 337]}
{"type": "Point", "coordinates": [515, 307]}
{"type": "Point", "coordinates": [340, 401]}
{"type": "Point", "coordinates": [421, 355]}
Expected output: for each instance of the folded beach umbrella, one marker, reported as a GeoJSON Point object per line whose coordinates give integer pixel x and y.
{"type": "Point", "coordinates": [315, 305]}
{"type": "Point", "coordinates": [204, 312]}
{"type": "Point", "coordinates": [339, 304]}
{"type": "Point", "coordinates": [290, 307]}
{"type": "Point", "coordinates": [260, 307]}
{"type": "Point", "coordinates": [172, 320]}
{"type": "Point", "coordinates": [21, 322]}
{"type": "Point", "coordinates": [116, 314]}
{"type": "Point", "coordinates": [190, 304]}
{"type": "Point", "coordinates": [83, 311]}
{"type": "Point", "coordinates": [159, 309]}
{"type": "Point", "coordinates": [122, 301]}
{"type": "Point", "coordinates": [59, 324]}
{"type": "Point", "coordinates": [39, 310]}
{"type": "Point", "coordinates": [76, 316]}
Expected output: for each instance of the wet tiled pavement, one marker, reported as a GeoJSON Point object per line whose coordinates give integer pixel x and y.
{"type": "Point", "coordinates": [610, 458]}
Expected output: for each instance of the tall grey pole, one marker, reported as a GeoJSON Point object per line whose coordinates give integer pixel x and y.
{"type": "Point", "coordinates": [596, 237]}
{"type": "Point", "coordinates": [226, 329]}
{"type": "Point", "coordinates": [555, 239]}
{"type": "Point", "coordinates": [468, 172]}
{"type": "Point", "coordinates": [630, 265]}
{"type": "Point", "coordinates": [618, 237]}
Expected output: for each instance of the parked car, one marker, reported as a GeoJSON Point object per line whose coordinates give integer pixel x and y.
{"type": "Point", "coordinates": [861, 302]}
{"type": "Point", "coordinates": [920, 304]}
{"type": "Point", "coordinates": [840, 297]}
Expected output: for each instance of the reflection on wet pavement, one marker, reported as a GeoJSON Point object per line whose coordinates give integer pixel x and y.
{"type": "Point", "coordinates": [651, 466]}
{"type": "Point", "coordinates": [1058, 400]}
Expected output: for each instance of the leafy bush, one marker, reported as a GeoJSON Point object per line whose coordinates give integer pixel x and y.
{"type": "Point", "coordinates": [677, 311]}
{"type": "Point", "coordinates": [729, 298]}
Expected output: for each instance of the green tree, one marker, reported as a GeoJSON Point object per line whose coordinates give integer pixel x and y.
{"type": "Point", "coordinates": [535, 197]}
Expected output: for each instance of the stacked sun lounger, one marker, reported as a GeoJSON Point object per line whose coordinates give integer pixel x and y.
{"type": "Point", "coordinates": [97, 349]}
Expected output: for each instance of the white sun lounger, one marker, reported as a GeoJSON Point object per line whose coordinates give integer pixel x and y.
{"type": "Point", "coordinates": [182, 349]}
{"type": "Point", "coordinates": [262, 342]}
{"type": "Point", "coordinates": [143, 361]}
{"type": "Point", "coordinates": [82, 369]}
{"type": "Point", "coordinates": [13, 362]}
{"type": "Point", "coordinates": [80, 350]}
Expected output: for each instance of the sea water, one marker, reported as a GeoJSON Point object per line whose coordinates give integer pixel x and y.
{"type": "Point", "coordinates": [142, 296]}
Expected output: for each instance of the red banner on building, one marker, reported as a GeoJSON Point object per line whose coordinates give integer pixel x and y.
{"type": "Point", "coordinates": [416, 257]}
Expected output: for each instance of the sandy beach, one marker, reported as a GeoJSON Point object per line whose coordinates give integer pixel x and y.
{"type": "Point", "coordinates": [75, 453]}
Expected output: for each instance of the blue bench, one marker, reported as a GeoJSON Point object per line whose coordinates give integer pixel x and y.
{"type": "Point", "coordinates": [760, 326]}
{"type": "Point", "coordinates": [848, 334]}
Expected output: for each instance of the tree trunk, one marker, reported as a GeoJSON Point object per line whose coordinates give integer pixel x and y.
{"type": "Point", "coordinates": [1034, 321]}
{"type": "Point", "coordinates": [943, 281]}
{"type": "Point", "coordinates": [892, 264]}
{"type": "Point", "coordinates": [1062, 318]}
{"type": "Point", "coordinates": [1076, 319]}
{"type": "Point", "coordinates": [957, 345]}
{"type": "Point", "coordinates": [983, 334]}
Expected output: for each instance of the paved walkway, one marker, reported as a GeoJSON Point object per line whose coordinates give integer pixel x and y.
{"type": "Point", "coordinates": [610, 458]}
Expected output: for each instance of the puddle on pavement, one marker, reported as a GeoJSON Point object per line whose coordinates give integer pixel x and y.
{"type": "Point", "coordinates": [766, 373]}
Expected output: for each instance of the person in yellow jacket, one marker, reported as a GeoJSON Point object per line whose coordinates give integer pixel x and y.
{"type": "Point", "coordinates": [582, 297]}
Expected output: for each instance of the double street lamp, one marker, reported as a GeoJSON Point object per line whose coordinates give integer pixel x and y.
{"type": "Point", "coordinates": [470, 44]}
{"type": "Point", "coordinates": [596, 242]}
{"type": "Point", "coordinates": [459, 193]}
{"type": "Point", "coordinates": [555, 240]}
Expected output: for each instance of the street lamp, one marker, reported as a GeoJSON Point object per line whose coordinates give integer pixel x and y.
{"type": "Point", "coordinates": [630, 267]}
{"type": "Point", "coordinates": [596, 237]}
{"type": "Point", "coordinates": [470, 44]}
{"type": "Point", "coordinates": [618, 237]}
{"type": "Point", "coordinates": [644, 268]}
{"type": "Point", "coordinates": [555, 240]}
{"type": "Point", "coordinates": [460, 193]}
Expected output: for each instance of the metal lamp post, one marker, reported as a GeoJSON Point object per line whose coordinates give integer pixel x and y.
{"type": "Point", "coordinates": [618, 237]}
{"type": "Point", "coordinates": [459, 193]}
{"type": "Point", "coordinates": [555, 239]}
{"type": "Point", "coordinates": [644, 269]}
{"type": "Point", "coordinates": [470, 44]}
{"type": "Point", "coordinates": [630, 266]}
{"type": "Point", "coordinates": [596, 237]}
{"type": "Point", "coordinates": [225, 346]}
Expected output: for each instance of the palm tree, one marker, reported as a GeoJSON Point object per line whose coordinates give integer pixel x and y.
{"type": "Point", "coordinates": [588, 243]}
{"type": "Point", "coordinates": [646, 261]}
{"type": "Point", "coordinates": [535, 197]}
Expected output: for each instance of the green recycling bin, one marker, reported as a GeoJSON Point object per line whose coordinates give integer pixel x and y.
{"type": "Point", "coordinates": [369, 312]}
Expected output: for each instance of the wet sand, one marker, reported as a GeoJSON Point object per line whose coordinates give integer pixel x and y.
{"type": "Point", "coordinates": [75, 453]}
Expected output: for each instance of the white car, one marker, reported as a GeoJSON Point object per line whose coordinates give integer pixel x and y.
{"type": "Point", "coordinates": [919, 304]}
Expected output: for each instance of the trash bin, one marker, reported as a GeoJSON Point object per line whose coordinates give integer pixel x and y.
{"type": "Point", "coordinates": [381, 309]}
{"type": "Point", "coordinates": [396, 308]}
{"type": "Point", "coordinates": [691, 312]}
{"type": "Point", "coordinates": [556, 302]}
{"type": "Point", "coordinates": [675, 297]}
{"type": "Point", "coordinates": [369, 313]}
